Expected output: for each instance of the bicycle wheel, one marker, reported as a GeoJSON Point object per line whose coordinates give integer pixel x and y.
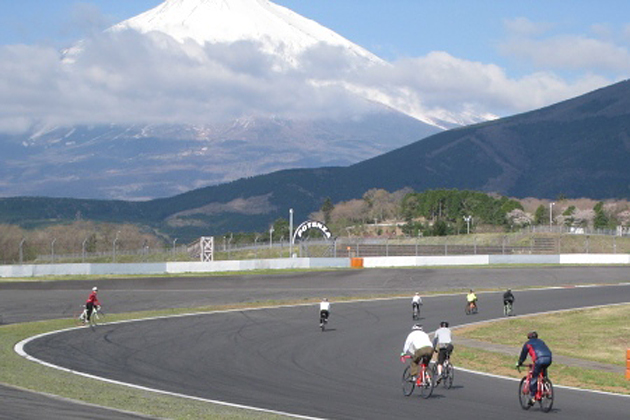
{"type": "Point", "coordinates": [426, 388]}
{"type": "Point", "coordinates": [94, 318]}
{"type": "Point", "coordinates": [449, 375]}
{"type": "Point", "coordinates": [408, 384]}
{"type": "Point", "coordinates": [467, 310]}
{"type": "Point", "coordinates": [546, 401]}
{"type": "Point", "coordinates": [79, 317]}
{"type": "Point", "coordinates": [523, 394]}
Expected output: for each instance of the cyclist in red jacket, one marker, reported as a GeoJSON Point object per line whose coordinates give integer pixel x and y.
{"type": "Point", "coordinates": [541, 357]}
{"type": "Point", "coordinates": [92, 301]}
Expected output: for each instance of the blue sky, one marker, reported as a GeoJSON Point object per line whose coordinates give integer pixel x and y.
{"type": "Point", "coordinates": [538, 52]}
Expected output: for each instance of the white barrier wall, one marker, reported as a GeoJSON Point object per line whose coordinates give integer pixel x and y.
{"type": "Point", "coordinates": [425, 261]}
{"type": "Point", "coordinates": [594, 259]}
{"type": "Point", "coordinates": [38, 270]}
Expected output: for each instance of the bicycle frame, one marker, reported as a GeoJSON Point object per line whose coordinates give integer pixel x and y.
{"type": "Point", "coordinates": [544, 390]}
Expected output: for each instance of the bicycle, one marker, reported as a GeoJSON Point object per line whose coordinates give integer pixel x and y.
{"type": "Point", "coordinates": [415, 312]}
{"type": "Point", "coordinates": [544, 392]}
{"type": "Point", "coordinates": [448, 372]}
{"type": "Point", "coordinates": [424, 381]}
{"type": "Point", "coordinates": [95, 317]}
{"type": "Point", "coordinates": [508, 308]}
{"type": "Point", "coordinates": [323, 320]}
{"type": "Point", "coordinates": [471, 308]}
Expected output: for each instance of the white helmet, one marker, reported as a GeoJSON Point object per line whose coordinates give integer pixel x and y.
{"type": "Point", "coordinates": [95, 289]}
{"type": "Point", "coordinates": [417, 327]}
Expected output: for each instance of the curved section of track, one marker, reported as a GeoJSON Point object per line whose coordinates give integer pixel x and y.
{"type": "Point", "coordinates": [278, 359]}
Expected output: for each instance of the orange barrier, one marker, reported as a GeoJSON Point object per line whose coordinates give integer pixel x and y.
{"type": "Point", "coordinates": [356, 262]}
{"type": "Point", "coordinates": [628, 364]}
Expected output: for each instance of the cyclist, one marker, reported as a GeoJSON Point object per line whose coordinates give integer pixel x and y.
{"type": "Point", "coordinates": [471, 298]}
{"type": "Point", "coordinates": [418, 345]}
{"type": "Point", "coordinates": [541, 359]}
{"type": "Point", "coordinates": [324, 311]}
{"type": "Point", "coordinates": [508, 297]}
{"type": "Point", "coordinates": [443, 344]}
{"type": "Point", "coordinates": [91, 302]}
{"type": "Point", "coordinates": [416, 302]}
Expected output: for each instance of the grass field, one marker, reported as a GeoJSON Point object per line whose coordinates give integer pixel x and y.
{"type": "Point", "coordinates": [559, 330]}
{"type": "Point", "coordinates": [599, 334]}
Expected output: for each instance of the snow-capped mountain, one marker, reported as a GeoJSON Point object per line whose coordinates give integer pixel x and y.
{"type": "Point", "coordinates": [148, 160]}
{"type": "Point", "coordinates": [279, 29]}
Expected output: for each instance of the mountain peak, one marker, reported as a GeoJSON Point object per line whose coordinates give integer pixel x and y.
{"type": "Point", "coordinates": [226, 21]}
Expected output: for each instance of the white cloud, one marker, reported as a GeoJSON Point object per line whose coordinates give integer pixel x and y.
{"type": "Point", "coordinates": [125, 77]}
{"type": "Point", "coordinates": [523, 27]}
{"type": "Point", "coordinates": [572, 52]}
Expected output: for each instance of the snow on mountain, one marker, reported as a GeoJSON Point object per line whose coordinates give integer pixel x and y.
{"type": "Point", "coordinates": [279, 29]}
{"type": "Point", "coordinates": [283, 33]}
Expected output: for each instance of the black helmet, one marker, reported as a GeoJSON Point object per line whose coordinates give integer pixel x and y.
{"type": "Point", "coordinates": [444, 324]}
{"type": "Point", "coordinates": [417, 327]}
{"type": "Point", "coordinates": [531, 335]}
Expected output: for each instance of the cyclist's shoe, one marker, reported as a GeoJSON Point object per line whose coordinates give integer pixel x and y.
{"type": "Point", "coordinates": [531, 401]}
{"type": "Point", "coordinates": [439, 379]}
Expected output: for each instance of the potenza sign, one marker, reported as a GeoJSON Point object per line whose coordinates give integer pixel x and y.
{"type": "Point", "coordinates": [311, 224]}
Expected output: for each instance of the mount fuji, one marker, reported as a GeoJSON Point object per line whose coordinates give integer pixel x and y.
{"type": "Point", "coordinates": [160, 156]}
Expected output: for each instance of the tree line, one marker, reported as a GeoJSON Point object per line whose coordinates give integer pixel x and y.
{"type": "Point", "coordinates": [377, 213]}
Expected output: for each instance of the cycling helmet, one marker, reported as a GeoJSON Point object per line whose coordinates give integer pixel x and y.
{"type": "Point", "coordinates": [444, 324]}
{"type": "Point", "coordinates": [95, 289]}
{"type": "Point", "coordinates": [417, 327]}
{"type": "Point", "coordinates": [531, 335]}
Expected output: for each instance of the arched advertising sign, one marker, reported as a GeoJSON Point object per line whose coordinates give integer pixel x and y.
{"type": "Point", "coordinates": [311, 224]}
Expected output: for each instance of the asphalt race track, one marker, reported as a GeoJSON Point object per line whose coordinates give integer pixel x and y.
{"type": "Point", "coordinates": [278, 359]}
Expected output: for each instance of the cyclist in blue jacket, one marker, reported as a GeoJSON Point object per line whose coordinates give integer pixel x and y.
{"type": "Point", "coordinates": [541, 359]}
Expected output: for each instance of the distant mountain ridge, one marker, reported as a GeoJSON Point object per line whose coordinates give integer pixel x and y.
{"type": "Point", "coordinates": [144, 161]}
{"type": "Point", "coordinates": [577, 148]}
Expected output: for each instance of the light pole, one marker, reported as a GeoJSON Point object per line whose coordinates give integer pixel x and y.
{"type": "Point", "coordinates": [551, 214]}
{"type": "Point", "coordinates": [22, 250]}
{"type": "Point", "coordinates": [271, 237]}
{"type": "Point", "coordinates": [83, 249]}
{"type": "Point", "coordinates": [290, 233]}
{"type": "Point", "coordinates": [173, 249]}
{"type": "Point", "coordinates": [468, 219]}
{"type": "Point", "coordinates": [52, 250]}
{"type": "Point", "coordinates": [114, 246]}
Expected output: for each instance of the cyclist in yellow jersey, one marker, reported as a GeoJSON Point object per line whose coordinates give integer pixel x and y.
{"type": "Point", "coordinates": [471, 298]}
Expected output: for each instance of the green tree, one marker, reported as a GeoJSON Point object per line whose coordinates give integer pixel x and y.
{"type": "Point", "coordinates": [600, 221]}
{"type": "Point", "coordinates": [281, 229]}
{"type": "Point", "coordinates": [541, 215]}
{"type": "Point", "coordinates": [327, 209]}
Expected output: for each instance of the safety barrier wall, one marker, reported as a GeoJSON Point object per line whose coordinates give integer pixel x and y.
{"type": "Point", "coordinates": [594, 259]}
{"type": "Point", "coordinates": [37, 270]}
{"type": "Point", "coordinates": [425, 261]}
{"type": "Point", "coordinates": [524, 259]}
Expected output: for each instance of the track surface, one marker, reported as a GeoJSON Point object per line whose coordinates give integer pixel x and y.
{"type": "Point", "coordinates": [278, 358]}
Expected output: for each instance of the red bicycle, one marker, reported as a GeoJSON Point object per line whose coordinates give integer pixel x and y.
{"type": "Point", "coordinates": [544, 391]}
{"type": "Point", "coordinates": [424, 381]}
